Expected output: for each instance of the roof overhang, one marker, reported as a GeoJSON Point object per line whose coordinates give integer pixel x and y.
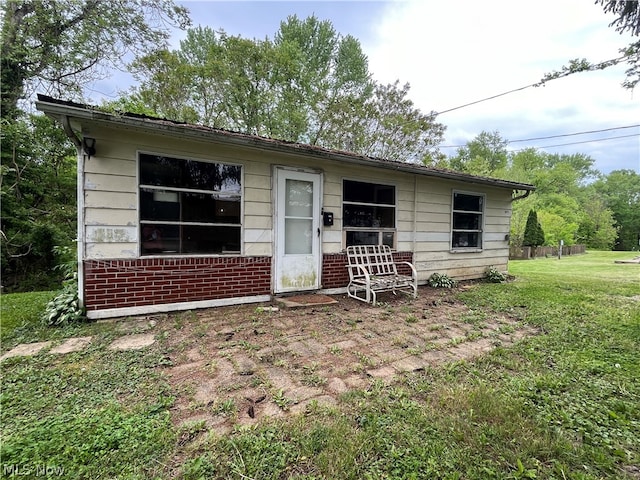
{"type": "Point", "coordinates": [64, 112]}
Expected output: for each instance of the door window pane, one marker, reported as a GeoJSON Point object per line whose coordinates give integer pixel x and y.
{"type": "Point", "coordinates": [298, 236]}
{"type": "Point", "coordinates": [299, 198]}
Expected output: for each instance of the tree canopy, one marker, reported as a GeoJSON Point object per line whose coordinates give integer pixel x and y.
{"type": "Point", "coordinates": [484, 155]}
{"type": "Point", "coordinates": [620, 191]}
{"type": "Point", "coordinates": [59, 46]}
{"type": "Point", "coordinates": [627, 20]}
{"type": "Point", "coordinates": [38, 192]}
{"type": "Point", "coordinates": [308, 84]}
{"type": "Point", "coordinates": [627, 13]}
{"type": "Point", "coordinates": [573, 201]}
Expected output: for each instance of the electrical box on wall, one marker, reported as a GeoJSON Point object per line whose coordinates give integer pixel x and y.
{"type": "Point", "coordinates": [327, 219]}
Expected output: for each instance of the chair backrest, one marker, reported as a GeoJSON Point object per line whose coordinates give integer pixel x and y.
{"type": "Point", "coordinates": [376, 259]}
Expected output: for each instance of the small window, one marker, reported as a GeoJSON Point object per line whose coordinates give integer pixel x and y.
{"type": "Point", "coordinates": [369, 213]}
{"type": "Point", "coordinates": [188, 206]}
{"type": "Point", "coordinates": [467, 221]}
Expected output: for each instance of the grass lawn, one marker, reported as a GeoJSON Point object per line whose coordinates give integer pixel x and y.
{"type": "Point", "coordinates": [564, 404]}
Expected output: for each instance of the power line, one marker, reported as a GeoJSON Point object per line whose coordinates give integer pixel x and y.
{"type": "Point", "coordinates": [485, 99]}
{"type": "Point", "coordinates": [584, 141]}
{"type": "Point", "coordinates": [548, 77]}
{"type": "Point", "coordinates": [572, 134]}
{"type": "Point", "coordinates": [586, 132]}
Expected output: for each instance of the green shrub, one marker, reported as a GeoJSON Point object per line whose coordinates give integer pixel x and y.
{"type": "Point", "coordinates": [493, 275]}
{"type": "Point", "coordinates": [442, 280]}
{"type": "Point", "coordinates": [533, 233]}
{"type": "Point", "coordinates": [65, 307]}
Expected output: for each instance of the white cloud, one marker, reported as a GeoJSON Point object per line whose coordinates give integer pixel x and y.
{"type": "Point", "coordinates": [453, 53]}
{"type": "Point", "coordinates": [456, 52]}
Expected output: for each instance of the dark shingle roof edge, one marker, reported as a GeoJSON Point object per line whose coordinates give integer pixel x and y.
{"type": "Point", "coordinates": [56, 107]}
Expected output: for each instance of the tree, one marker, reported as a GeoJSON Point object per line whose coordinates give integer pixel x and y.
{"type": "Point", "coordinates": [61, 45]}
{"type": "Point", "coordinates": [533, 233]}
{"type": "Point", "coordinates": [485, 155]}
{"type": "Point", "coordinates": [566, 204]}
{"type": "Point", "coordinates": [621, 193]}
{"type": "Point", "coordinates": [283, 88]}
{"type": "Point", "coordinates": [386, 125]}
{"type": "Point", "coordinates": [329, 71]}
{"type": "Point", "coordinates": [597, 229]}
{"type": "Point", "coordinates": [38, 191]}
{"type": "Point", "coordinates": [555, 228]}
{"type": "Point", "coordinates": [628, 13]}
{"type": "Point", "coordinates": [309, 84]}
{"type": "Point", "coordinates": [58, 46]}
{"type": "Point", "coordinates": [628, 19]}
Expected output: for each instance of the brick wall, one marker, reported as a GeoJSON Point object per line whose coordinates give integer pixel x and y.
{"type": "Point", "coordinates": [335, 274]}
{"type": "Point", "coordinates": [334, 271]}
{"type": "Point", "coordinates": [149, 281]}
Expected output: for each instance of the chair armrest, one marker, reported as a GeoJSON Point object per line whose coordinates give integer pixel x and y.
{"type": "Point", "coordinates": [367, 275]}
{"type": "Point", "coordinates": [414, 272]}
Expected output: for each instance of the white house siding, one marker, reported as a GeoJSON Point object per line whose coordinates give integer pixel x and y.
{"type": "Point", "coordinates": [110, 199]}
{"type": "Point", "coordinates": [335, 173]}
{"type": "Point", "coordinates": [433, 252]}
{"type": "Point", "coordinates": [111, 202]}
{"type": "Point", "coordinates": [111, 190]}
{"type": "Point", "coordinates": [432, 232]}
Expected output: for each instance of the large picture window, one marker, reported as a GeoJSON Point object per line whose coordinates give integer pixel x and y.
{"type": "Point", "coordinates": [467, 221]}
{"type": "Point", "coordinates": [188, 206]}
{"type": "Point", "coordinates": [369, 213]}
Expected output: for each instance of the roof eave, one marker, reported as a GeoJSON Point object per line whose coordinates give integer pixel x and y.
{"type": "Point", "coordinates": [65, 111]}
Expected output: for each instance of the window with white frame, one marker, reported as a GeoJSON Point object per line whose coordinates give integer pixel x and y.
{"type": "Point", "coordinates": [188, 206]}
{"type": "Point", "coordinates": [368, 213]}
{"type": "Point", "coordinates": [467, 220]}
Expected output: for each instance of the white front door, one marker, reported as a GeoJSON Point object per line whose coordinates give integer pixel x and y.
{"type": "Point", "coordinates": [297, 222]}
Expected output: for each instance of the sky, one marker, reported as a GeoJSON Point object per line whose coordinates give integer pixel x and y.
{"type": "Point", "coordinates": [456, 52]}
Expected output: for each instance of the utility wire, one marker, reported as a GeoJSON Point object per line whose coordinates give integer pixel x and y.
{"type": "Point", "coordinates": [485, 99]}
{"type": "Point", "coordinates": [584, 141]}
{"type": "Point", "coordinates": [554, 136]}
{"type": "Point", "coordinates": [572, 134]}
{"type": "Point", "coordinates": [553, 76]}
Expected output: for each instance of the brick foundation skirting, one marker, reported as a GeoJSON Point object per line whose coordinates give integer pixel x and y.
{"type": "Point", "coordinates": [110, 284]}
{"type": "Point", "coordinates": [336, 275]}
{"type": "Point", "coordinates": [150, 281]}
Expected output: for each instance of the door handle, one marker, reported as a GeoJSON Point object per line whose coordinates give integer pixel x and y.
{"type": "Point", "coordinates": [318, 231]}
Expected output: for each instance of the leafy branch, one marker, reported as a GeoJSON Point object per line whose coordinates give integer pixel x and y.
{"type": "Point", "coordinates": [630, 55]}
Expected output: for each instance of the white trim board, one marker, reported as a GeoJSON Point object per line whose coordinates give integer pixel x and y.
{"type": "Point", "coordinates": [172, 307]}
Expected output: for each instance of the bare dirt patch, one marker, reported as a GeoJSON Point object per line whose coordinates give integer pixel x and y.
{"type": "Point", "coordinates": [236, 365]}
